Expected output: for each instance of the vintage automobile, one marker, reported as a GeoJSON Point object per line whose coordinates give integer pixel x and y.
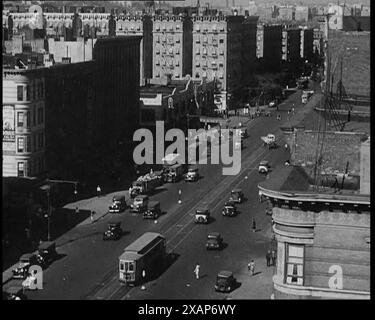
{"type": "Point", "coordinates": [14, 293]}
{"type": "Point", "coordinates": [236, 196]}
{"type": "Point", "coordinates": [214, 241]}
{"type": "Point", "coordinates": [264, 167]}
{"type": "Point", "coordinates": [192, 174]}
{"type": "Point", "coordinates": [153, 210]}
{"type": "Point", "coordinates": [25, 262]}
{"type": "Point", "coordinates": [140, 203]}
{"type": "Point", "coordinates": [230, 209]}
{"type": "Point", "coordinates": [46, 253]}
{"type": "Point", "coordinates": [202, 215]}
{"type": "Point", "coordinates": [113, 232]}
{"type": "Point", "coordinates": [118, 204]}
{"type": "Point", "coordinates": [225, 281]}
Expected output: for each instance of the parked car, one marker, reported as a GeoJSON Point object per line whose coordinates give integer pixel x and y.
{"type": "Point", "coordinates": [113, 232]}
{"type": "Point", "coordinates": [192, 174]}
{"type": "Point", "coordinates": [140, 203]}
{"type": "Point", "coordinates": [264, 167]}
{"type": "Point", "coordinates": [225, 281]}
{"type": "Point", "coordinates": [153, 210]}
{"type": "Point", "coordinates": [214, 241]}
{"type": "Point", "coordinates": [118, 204]}
{"type": "Point", "coordinates": [202, 215]}
{"type": "Point", "coordinates": [229, 209]}
{"type": "Point", "coordinates": [236, 196]}
{"type": "Point", "coordinates": [14, 293]}
{"type": "Point", "coordinates": [46, 253]}
{"type": "Point", "coordinates": [25, 262]}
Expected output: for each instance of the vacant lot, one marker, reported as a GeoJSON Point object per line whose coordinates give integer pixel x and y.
{"type": "Point", "coordinates": [354, 47]}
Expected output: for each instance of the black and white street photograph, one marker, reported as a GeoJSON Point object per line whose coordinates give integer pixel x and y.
{"type": "Point", "coordinates": [182, 151]}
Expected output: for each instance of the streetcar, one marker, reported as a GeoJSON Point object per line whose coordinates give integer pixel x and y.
{"type": "Point", "coordinates": [142, 259]}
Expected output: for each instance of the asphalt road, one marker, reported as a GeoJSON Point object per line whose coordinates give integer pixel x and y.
{"type": "Point", "coordinates": [88, 266]}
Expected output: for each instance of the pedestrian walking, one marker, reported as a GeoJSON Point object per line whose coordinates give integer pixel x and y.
{"type": "Point", "coordinates": [98, 191]}
{"type": "Point", "coordinates": [92, 215]}
{"type": "Point", "coordinates": [286, 147]}
{"type": "Point", "coordinates": [196, 271]}
{"type": "Point", "coordinates": [268, 258]}
{"type": "Point", "coordinates": [251, 267]}
{"type": "Point", "coordinates": [77, 210]}
{"type": "Point", "coordinates": [254, 225]}
{"type": "Point", "coordinates": [293, 110]}
{"type": "Point", "coordinates": [273, 257]}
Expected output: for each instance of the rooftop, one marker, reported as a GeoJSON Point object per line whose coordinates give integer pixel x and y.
{"type": "Point", "coordinates": [294, 181]}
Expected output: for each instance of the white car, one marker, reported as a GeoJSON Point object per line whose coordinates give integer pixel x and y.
{"type": "Point", "coordinates": [264, 167]}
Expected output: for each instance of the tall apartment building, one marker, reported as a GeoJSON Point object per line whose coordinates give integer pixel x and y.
{"type": "Point", "coordinates": [172, 46]}
{"type": "Point", "coordinates": [269, 49]}
{"type": "Point", "coordinates": [249, 48]}
{"type": "Point", "coordinates": [307, 44]}
{"type": "Point", "coordinates": [291, 46]}
{"type": "Point", "coordinates": [116, 89]}
{"type": "Point", "coordinates": [139, 25]}
{"type": "Point", "coordinates": [217, 52]}
{"type": "Point", "coordinates": [23, 122]}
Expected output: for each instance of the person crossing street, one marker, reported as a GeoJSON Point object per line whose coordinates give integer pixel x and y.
{"type": "Point", "coordinates": [268, 258]}
{"type": "Point", "coordinates": [196, 271]}
{"type": "Point", "coordinates": [251, 267]}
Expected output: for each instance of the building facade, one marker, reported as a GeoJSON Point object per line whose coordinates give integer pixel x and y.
{"type": "Point", "coordinates": [322, 231]}
{"type": "Point", "coordinates": [139, 25]}
{"type": "Point", "coordinates": [269, 49]}
{"type": "Point", "coordinates": [176, 102]}
{"type": "Point", "coordinates": [249, 48]}
{"type": "Point", "coordinates": [116, 90]}
{"type": "Point", "coordinates": [172, 46]}
{"type": "Point", "coordinates": [69, 125]}
{"type": "Point", "coordinates": [23, 122]}
{"type": "Point", "coordinates": [217, 53]}
{"type": "Point", "coordinates": [307, 44]}
{"type": "Point", "coordinates": [291, 45]}
{"type": "Point", "coordinates": [287, 13]}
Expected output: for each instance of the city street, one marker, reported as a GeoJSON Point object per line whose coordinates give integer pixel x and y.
{"type": "Point", "coordinates": [88, 266]}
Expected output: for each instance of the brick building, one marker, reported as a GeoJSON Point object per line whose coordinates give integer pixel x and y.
{"type": "Point", "coordinates": [302, 13]}
{"type": "Point", "coordinates": [291, 46]}
{"type": "Point", "coordinates": [322, 231]}
{"type": "Point", "coordinates": [23, 122]}
{"type": "Point", "coordinates": [69, 124]}
{"type": "Point", "coordinates": [269, 46]}
{"type": "Point", "coordinates": [116, 89]}
{"type": "Point", "coordinates": [307, 44]}
{"type": "Point", "coordinates": [139, 25]}
{"type": "Point", "coordinates": [172, 100]}
{"type": "Point", "coordinates": [217, 52]}
{"type": "Point", "coordinates": [172, 46]}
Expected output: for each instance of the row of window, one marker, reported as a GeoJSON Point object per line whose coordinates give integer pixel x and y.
{"type": "Point", "coordinates": [205, 52]}
{"type": "Point", "coordinates": [215, 74]}
{"type": "Point", "coordinates": [24, 93]}
{"type": "Point", "coordinates": [170, 63]}
{"type": "Point", "coordinates": [213, 64]}
{"type": "Point", "coordinates": [170, 27]}
{"type": "Point", "coordinates": [205, 40]}
{"type": "Point", "coordinates": [170, 51]}
{"type": "Point", "coordinates": [24, 118]}
{"type": "Point", "coordinates": [24, 143]}
{"type": "Point", "coordinates": [169, 39]}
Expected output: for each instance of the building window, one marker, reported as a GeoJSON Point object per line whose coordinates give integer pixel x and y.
{"type": "Point", "coordinates": [20, 119]}
{"type": "Point", "coordinates": [19, 93]}
{"type": "Point", "coordinates": [294, 264]}
{"type": "Point", "coordinates": [20, 169]}
{"type": "Point", "coordinates": [20, 144]}
{"type": "Point", "coordinates": [221, 40]}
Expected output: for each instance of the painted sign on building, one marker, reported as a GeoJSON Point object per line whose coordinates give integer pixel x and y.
{"type": "Point", "coordinates": [8, 128]}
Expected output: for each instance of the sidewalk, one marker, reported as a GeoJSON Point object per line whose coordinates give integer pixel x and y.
{"type": "Point", "coordinates": [99, 205]}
